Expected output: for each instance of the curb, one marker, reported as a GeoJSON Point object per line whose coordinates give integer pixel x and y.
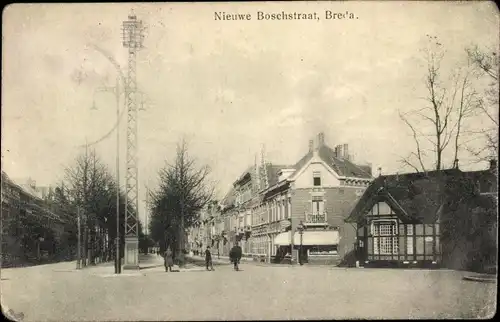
{"type": "Point", "coordinates": [482, 279]}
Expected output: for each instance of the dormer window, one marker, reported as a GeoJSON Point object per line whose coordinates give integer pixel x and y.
{"type": "Point", "coordinates": [317, 179]}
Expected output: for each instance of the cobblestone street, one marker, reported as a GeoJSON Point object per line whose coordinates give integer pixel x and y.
{"type": "Point", "coordinates": [58, 292]}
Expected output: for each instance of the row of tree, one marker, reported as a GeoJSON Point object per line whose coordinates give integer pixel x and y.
{"type": "Point", "coordinates": [183, 192]}
{"type": "Point", "coordinates": [89, 191]}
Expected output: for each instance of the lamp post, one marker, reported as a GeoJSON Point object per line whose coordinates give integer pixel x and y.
{"type": "Point", "coordinates": [300, 229]}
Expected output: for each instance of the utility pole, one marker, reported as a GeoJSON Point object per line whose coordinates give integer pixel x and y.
{"type": "Point", "coordinates": [146, 220]}
{"type": "Point", "coordinates": [132, 39]}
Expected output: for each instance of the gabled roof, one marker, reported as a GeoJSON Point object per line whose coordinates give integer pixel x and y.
{"type": "Point", "coordinates": [343, 167]}
{"type": "Point", "coordinates": [421, 196]}
{"type": "Point", "coordinates": [273, 173]}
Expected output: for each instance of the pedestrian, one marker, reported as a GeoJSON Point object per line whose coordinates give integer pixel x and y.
{"type": "Point", "coordinates": [235, 256]}
{"type": "Point", "coordinates": [208, 259]}
{"type": "Point", "coordinates": [169, 261]}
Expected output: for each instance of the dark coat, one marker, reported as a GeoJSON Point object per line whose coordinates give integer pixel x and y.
{"type": "Point", "coordinates": [235, 254]}
{"type": "Point", "coordinates": [208, 255]}
{"type": "Point", "coordinates": [169, 260]}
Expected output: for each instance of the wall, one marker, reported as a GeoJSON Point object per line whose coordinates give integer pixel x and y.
{"type": "Point", "coordinates": [305, 180]}
{"type": "Point", "coordinates": [337, 206]}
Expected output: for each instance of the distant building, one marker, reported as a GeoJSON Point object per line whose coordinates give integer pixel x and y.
{"type": "Point", "coordinates": [29, 224]}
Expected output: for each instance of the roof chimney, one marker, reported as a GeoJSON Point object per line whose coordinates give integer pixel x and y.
{"type": "Point", "coordinates": [346, 152]}
{"type": "Point", "coordinates": [321, 139]}
{"type": "Point", "coordinates": [311, 145]}
{"type": "Point", "coordinates": [340, 154]}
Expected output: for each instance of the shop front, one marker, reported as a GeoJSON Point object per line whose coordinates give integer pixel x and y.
{"type": "Point", "coordinates": [314, 246]}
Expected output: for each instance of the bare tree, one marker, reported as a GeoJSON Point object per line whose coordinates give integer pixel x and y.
{"type": "Point", "coordinates": [183, 191]}
{"type": "Point", "coordinates": [486, 67]}
{"type": "Point", "coordinates": [90, 187]}
{"type": "Point", "coordinates": [437, 128]}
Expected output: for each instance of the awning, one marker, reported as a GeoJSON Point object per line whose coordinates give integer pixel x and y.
{"type": "Point", "coordinates": [309, 238]}
{"type": "Point", "coordinates": [282, 239]}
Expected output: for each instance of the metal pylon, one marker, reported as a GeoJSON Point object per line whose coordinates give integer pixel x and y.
{"type": "Point", "coordinates": [132, 39]}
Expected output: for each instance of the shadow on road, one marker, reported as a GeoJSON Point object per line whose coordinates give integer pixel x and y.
{"type": "Point", "coordinates": [150, 266]}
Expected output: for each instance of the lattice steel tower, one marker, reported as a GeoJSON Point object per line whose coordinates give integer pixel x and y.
{"type": "Point", "coordinates": [133, 37]}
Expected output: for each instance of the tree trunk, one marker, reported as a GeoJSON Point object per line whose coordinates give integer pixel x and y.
{"type": "Point", "coordinates": [85, 246]}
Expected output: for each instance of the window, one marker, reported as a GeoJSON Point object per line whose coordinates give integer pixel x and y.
{"type": "Point", "coordinates": [409, 245]}
{"type": "Point", "coordinates": [317, 178]}
{"type": "Point", "coordinates": [385, 238]}
{"type": "Point", "coordinates": [420, 245]}
{"type": "Point", "coordinates": [341, 191]}
{"type": "Point", "coordinates": [323, 250]}
{"type": "Point", "coordinates": [429, 245]}
{"type": "Point", "coordinates": [409, 239]}
{"type": "Point", "coordinates": [318, 205]}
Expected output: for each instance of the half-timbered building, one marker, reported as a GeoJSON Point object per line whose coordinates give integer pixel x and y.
{"type": "Point", "coordinates": [421, 219]}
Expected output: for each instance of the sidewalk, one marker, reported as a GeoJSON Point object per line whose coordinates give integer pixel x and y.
{"type": "Point", "coordinates": [224, 260]}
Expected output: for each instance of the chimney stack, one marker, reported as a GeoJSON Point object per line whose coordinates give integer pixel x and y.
{"type": "Point", "coordinates": [346, 152]}
{"type": "Point", "coordinates": [311, 145]}
{"type": "Point", "coordinates": [340, 154]}
{"type": "Point", "coordinates": [321, 139]}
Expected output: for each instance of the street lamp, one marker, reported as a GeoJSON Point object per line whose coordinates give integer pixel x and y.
{"type": "Point", "coordinates": [300, 229]}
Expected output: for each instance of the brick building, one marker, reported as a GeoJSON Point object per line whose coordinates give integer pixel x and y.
{"type": "Point", "coordinates": [267, 203]}
{"type": "Point", "coordinates": [318, 191]}
{"type": "Point", "coordinates": [31, 229]}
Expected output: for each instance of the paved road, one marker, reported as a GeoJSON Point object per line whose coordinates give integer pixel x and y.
{"type": "Point", "coordinates": [58, 292]}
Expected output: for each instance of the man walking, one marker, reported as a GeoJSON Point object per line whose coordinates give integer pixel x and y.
{"type": "Point", "coordinates": [169, 260]}
{"type": "Point", "coordinates": [208, 259]}
{"type": "Point", "coordinates": [235, 256]}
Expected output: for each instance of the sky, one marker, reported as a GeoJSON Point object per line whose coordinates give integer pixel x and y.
{"type": "Point", "coordinates": [228, 87]}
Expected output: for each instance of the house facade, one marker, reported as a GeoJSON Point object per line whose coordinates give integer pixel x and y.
{"type": "Point", "coordinates": [268, 202]}
{"type": "Point", "coordinates": [30, 228]}
{"type": "Point", "coordinates": [438, 218]}
{"type": "Point", "coordinates": [316, 193]}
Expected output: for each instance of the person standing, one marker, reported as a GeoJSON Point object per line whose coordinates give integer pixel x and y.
{"type": "Point", "coordinates": [169, 260]}
{"type": "Point", "coordinates": [235, 256]}
{"type": "Point", "coordinates": [208, 259]}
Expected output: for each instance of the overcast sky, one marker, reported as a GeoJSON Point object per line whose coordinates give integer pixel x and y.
{"type": "Point", "coordinates": [228, 86]}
